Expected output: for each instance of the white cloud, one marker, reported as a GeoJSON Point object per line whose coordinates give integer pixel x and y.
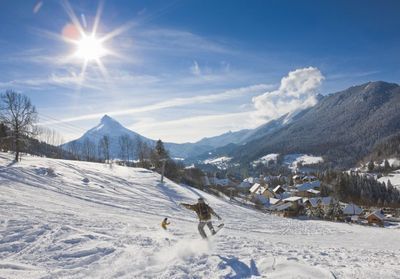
{"type": "Point", "coordinates": [297, 91]}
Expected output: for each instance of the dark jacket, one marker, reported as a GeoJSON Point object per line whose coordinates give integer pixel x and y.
{"type": "Point", "coordinates": [203, 211]}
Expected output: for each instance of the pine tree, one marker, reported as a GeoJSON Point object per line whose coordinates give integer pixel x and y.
{"type": "Point", "coordinates": [319, 211]}
{"type": "Point", "coordinates": [386, 166]}
{"type": "Point", "coordinates": [336, 210]}
{"type": "Point", "coordinates": [309, 211]}
{"type": "Point", "coordinates": [160, 150]}
{"type": "Point", "coordinates": [370, 166]}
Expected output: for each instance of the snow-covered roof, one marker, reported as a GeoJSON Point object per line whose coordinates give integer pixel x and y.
{"type": "Point", "coordinates": [282, 206]}
{"type": "Point", "coordinates": [377, 214]}
{"type": "Point", "coordinates": [255, 187]}
{"type": "Point", "coordinates": [274, 201]}
{"type": "Point", "coordinates": [308, 185]}
{"type": "Point", "coordinates": [284, 195]}
{"type": "Point", "coordinates": [258, 189]}
{"type": "Point", "coordinates": [313, 191]}
{"type": "Point", "coordinates": [292, 199]}
{"type": "Point", "coordinates": [323, 200]}
{"type": "Point", "coordinates": [221, 182]}
{"type": "Point", "coordinates": [352, 209]}
{"type": "Point", "coordinates": [277, 188]}
{"type": "Point", "coordinates": [249, 180]}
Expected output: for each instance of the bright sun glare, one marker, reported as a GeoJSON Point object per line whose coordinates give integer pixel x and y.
{"type": "Point", "coordinates": [90, 48]}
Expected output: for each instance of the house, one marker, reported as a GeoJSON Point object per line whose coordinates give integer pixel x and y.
{"type": "Point", "coordinates": [219, 181]}
{"type": "Point", "coordinates": [278, 190]}
{"type": "Point", "coordinates": [302, 189]}
{"type": "Point", "coordinates": [323, 202]}
{"type": "Point", "coordinates": [376, 217]}
{"type": "Point", "coordinates": [259, 193]}
{"type": "Point", "coordinates": [246, 183]}
{"type": "Point", "coordinates": [298, 179]}
{"type": "Point", "coordinates": [273, 201]}
{"type": "Point", "coordinates": [352, 209]}
{"type": "Point", "coordinates": [288, 207]}
{"type": "Point", "coordinates": [313, 193]}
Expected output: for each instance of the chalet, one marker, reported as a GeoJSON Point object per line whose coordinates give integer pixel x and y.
{"type": "Point", "coordinates": [298, 179]}
{"type": "Point", "coordinates": [302, 189]}
{"type": "Point", "coordinates": [352, 209]}
{"type": "Point", "coordinates": [323, 202]}
{"type": "Point", "coordinates": [313, 193]}
{"type": "Point", "coordinates": [274, 201]}
{"type": "Point", "coordinates": [278, 190]}
{"type": "Point", "coordinates": [246, 183]}
{"type": "Point", "coordinates": [376, 217]}
{"type": "Point", "coordinates": [283, 209]}
{"type": "Point", "coordinates": [288, 207]}
{"type": "Point", "coordinates": [260, 190]}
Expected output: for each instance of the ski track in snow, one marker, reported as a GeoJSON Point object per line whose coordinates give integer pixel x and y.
{"type": "Point", "coordinates": [57, 226]}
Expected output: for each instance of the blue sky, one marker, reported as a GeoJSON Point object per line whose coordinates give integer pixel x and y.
{"type": "Point", "coordinates": [183, 70]}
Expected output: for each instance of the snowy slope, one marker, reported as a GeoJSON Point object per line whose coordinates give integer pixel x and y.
{"type": "Point", "coordinates": [292, 160]}
{"type": "Point", "coordinates": [53, 225]}
{"type": "Point", "coordinates": [394, 178]}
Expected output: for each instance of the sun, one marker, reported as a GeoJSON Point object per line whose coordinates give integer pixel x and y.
{"type": "Point", "coordinates": [90, 48]}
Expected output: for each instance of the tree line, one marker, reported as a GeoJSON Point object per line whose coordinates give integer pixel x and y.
{"type": "Point", "coordinates": [359, 188]}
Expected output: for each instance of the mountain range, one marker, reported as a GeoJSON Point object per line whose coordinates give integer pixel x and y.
{"type": "Point", "coordinates": [342, 126]}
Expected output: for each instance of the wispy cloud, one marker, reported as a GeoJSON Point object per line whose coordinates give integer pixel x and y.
{"type": "Point", "coordinates": [177, 40]}
{"type": "Point", "coordinates": [351, 75]}
{"type": "Point", "coordinates": [54, 80]}
{"type": "Point", "coordinates": [195, 69]}
{"type": "Point", "coordinates": [220, 123]}
{"type": "Point", "coordinates": [176, 102]}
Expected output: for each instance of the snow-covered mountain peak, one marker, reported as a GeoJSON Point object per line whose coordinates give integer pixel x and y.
{"type": "Point", "coordinates": [109, 126]}
{"type": "Point", "coordinates": [107, 120]}
{"type": "Point", "coordinates": [109, 123]}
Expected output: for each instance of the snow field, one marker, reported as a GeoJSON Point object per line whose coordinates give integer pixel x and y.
{"type": "Point", "coordinates": [55, 225]}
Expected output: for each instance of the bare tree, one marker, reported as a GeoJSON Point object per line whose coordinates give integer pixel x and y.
{"type": "Point", "coordinates": [127, 147]}
{"type": "Point", "coordinates": [143, 152]}
{"type": "Point", "coordinates": [19, 115]}
{"type": "Point", "coordinates": [51, 137]}
{"type": "Point", "coordinates": [74, 148]}
{"type": "Point", "coordinates": [89, 150]}
{"type": "Point", "coordinates": [104, 146]}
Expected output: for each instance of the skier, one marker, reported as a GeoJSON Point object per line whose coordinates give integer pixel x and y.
{"type": "Point", "coordinates": [204, 212]}
{"type": "Point", "coordinates": [165, 223]}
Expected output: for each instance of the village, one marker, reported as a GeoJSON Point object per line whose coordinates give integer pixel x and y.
{"type": "Point", "coordinates": [299, 196]}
